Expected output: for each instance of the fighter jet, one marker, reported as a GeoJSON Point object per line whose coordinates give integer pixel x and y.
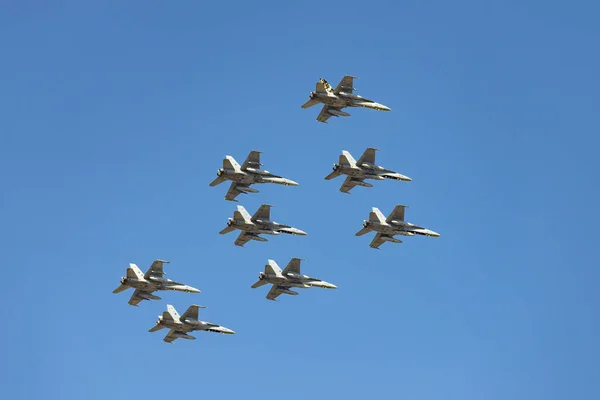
{"type": "Point", "coordinates": [364, 168]}
{"type": "Point", "coordinates": [394, 224]}
{"type": "Point", "coordinates": [290, 277]}
{"type": "Point", "coordinates": [252, 226]}
{"type": "Point", "coordinates": [339, 98]}
{"type": "Point", "coordinates": [180, 325]}
{"type": "Point", "coordinates": [152, 281]}
{"type": "Point", "coordinates": [246, 175]}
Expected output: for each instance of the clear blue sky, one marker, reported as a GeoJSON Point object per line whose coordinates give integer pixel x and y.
{"type": "Point", "coordinates": [115, 118]}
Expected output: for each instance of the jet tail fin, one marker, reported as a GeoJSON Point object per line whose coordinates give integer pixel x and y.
{"type": "Point", "coordinates": [347, 159]}
{"type": "Point", "coordinates": [377, 216]}
{"type": "Point", "coordinates": [230, 163]}
{"type": "Point", "coordinates": [272, 268]}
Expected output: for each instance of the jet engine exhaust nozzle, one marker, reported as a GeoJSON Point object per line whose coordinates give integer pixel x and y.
{"type": "Point", "coordinates": [220, 172]}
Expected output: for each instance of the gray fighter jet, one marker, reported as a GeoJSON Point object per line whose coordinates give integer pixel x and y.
{"type": "Point", "coordinates": [246, 175]}
{"type": "Point", "coordinates": [340, 97]}
{"type": "Point", "coordinates": [252, 226]}
{"type": "Point", "coordinates": [151, 281]}
{"type": "Point", "coordinates": [394, 224]}
{"type": "Point", "coordinates": [360, 170]}
{"type": "Point", "coordinates": [290, 277]}
{"type": "Point", "coordinates": [180, 325]}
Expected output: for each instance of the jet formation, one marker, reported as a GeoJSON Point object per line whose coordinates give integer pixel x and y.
{"type": "Point", "coordinates": [335, 100]}
{"type": "Point", "coordinates": [180, 326]}
{"type": "Point", "coordinates": [364, 168]}
{"type": "Point", "coordinates": [290, 277]}
{"type": "Point", "coordinates": [242, 177]}
{"type": "Point", "coordinates": [394, 224]}
{"type": "Point", "coordinates": [247, 174]}
{"type": "Point", "coordinates": [259, 223]}
{"type": "Point", "coordinates": [151, 281]}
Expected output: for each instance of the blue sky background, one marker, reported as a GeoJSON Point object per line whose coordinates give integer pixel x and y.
{"type": "Point", "coordinates": [115, 118]}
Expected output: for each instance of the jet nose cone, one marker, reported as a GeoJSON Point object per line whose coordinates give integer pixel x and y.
{"type": "Point", "coordinates": [228, 331]}
{"type": "Point", "coordinates": [291, 182]}
{"type": "Point", "coordinates": [300, 232]}
{"type": "Point", "coordinates": [384, 108]}
{"type": "Point", "coordinates": [193, 290]}
{"type": "Point", "coordinates": [331, 286]}
{"type": "Point", "coordinates": [406, 178]}
{"type": "Point", "coordinates": [432, 233]}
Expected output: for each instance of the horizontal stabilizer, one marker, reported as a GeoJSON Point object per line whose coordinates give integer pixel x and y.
{"type": "Point", "coordinates": [156, 328]}
{"type": "Point", "coordinates": [259, 284]}
{"type": "Point", "coordinates": [120, 289]}
{"type": "Point", "coordinates": [333, 174]}
{"type": "Point", "coordinates": [310, 103]}
{"type": "Point", "coordinates": [218, 180]}
{"type": "Point", "coordinates": [227, 229]}
{"type": "Point", "coordinates": [363, 231]}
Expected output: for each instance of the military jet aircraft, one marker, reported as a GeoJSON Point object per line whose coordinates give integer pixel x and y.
{"type": "Point", "coordinates": [290, 277]}
{"type": "Point", "coordinates": [246, 175]}
{"type": "Point", "coordinates": [394, 224]}
{"type": "Point", "coordinates": [252, 226]}
{"type": "Point", "coordinates": [360, 170]}
{"type": "Point", "coordinates": [149, 282]}
{"type": "Point", "coordinates": [180, 325]}
{"type": "Point", "coordinates": [340, 97]}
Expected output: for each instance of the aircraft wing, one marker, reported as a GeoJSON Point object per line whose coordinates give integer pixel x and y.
{"type": "Point", "coordinates": [191, 312]}
{"type": "Point", "coordinates": [324, 115]}
{"type": "Point", "coordinates": [397, 214]}
{"type": "Point", "coordinates": [273, 293]}
{"type": "Point", "coordinates": [170, 336]}
{"type": "Point", "coordinates": [252, 161]}
{"type": "Point", "coordinates": [233, 192]}
{"type": "Point", "coordinates": [348, 184]}
{"type": "Point", "coordinates": [367, 157]}
{"type": "Point", "coordinates": [136, 298]}
{"type": "Point", "coordinates": [242, 239]}
{"type": "Point", "coordinates": [264, 213]}
{"type": "Point", "coordinates": [293, 266]}
{"type": "Point", "coordinates": [156, 269]}
{"type": "Point", "coordinates": [346, 85]}
{"type": "Point", "coordinates": [377, 241]}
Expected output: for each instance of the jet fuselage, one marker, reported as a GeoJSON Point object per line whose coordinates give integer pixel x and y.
{"type": "Point", "coordinates": [399, 228]}
{"type": "Point", "coordinates": [191, 324]}
{"type": "Point", "coordinates": [154, 284]}
{"type": "Point", "coordinates": [295, 280]}
{"type": "Point", "coordinates": [252, 175]}
{"type": "Point", "coordinates": [263, 226]}
{"type": "Point", "coordinates": [343, 99]}
{"type": "Point", "coordinates": [369, 171]}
